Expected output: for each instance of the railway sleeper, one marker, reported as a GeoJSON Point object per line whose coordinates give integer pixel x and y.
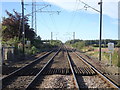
{"type": "Point", "coordinates": [30, 72]}
{"type": "Point", "coordinates": [67, 71]}
{"type": "Point", "coordinates": [8, 70]}
{"type": "Point", "coordinates": [62, 71]}
{"type": "Point", "coordinates": [84, 71]}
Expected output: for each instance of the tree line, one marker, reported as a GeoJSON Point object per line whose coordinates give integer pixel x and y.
{"type": "Point", "coordinates": [12, 34]}
{"type": "Point", "coordinates": [94, 43]}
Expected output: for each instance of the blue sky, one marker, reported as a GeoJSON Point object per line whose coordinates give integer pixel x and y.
{"type": "Point", "coordinates": [84, 23]}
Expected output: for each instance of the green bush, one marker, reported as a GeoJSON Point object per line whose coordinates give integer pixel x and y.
{"type": "Point", "coordinates": [79, 45]}
{"type": "Point", "coordinates": [31, 50]}
{"type": "Point", "coordinates": [34, 50]}
{"type": "Point", "coordinates": [118, 62]}
{"type": "Point", "coordinates": [95, 45]}
{"type": "Point", "coordinates": [12, 42]}
{"type": "Point", "coordinates": [118, 58]}
{"type": "Point", "coordinates": [118, 44]}
{"type": "Point", "coordinates": [55, 42]}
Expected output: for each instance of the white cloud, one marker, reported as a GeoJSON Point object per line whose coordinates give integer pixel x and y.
{"type": "Point", "coordinates": [110, 7]}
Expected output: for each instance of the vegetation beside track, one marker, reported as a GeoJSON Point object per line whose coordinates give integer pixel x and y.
{"type": "Point", "coordinates": [91, 47]}
{"type": "Point", "coordinates": [12, 36]}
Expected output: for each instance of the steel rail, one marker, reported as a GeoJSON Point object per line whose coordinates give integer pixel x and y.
{"type": "Point", "coordinates": [31, 84]}
{"type": "Point", "coordinates": [73, 71]}
{"type": "Point", "coordinates": [5, 79]}
{"type": "Point", "coordinates": [98, 72]}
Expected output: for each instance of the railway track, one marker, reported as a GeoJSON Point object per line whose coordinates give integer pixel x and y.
{"type": "Point", "coordinates": [103, 69]}
{"type": "Point", "coordinates": [108, 82]}
{"type": "Point", "coordinates": [78, 79]}
{"type": "Point", "coordinates": [104, 81]}
{"type": "Point", "coordinates": [11, 67]}
{"type": "Point", "coordinates": [62, 69]}
{"type": "Point", "coordinates": [21, 77]}
{"type": "Point", "coordinates": [55, 75]}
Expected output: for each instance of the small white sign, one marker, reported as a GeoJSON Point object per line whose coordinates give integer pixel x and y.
{"type": "Point", "coordinates": [28, 42]}
{"type": "Point", "coordinates": [111, 47]}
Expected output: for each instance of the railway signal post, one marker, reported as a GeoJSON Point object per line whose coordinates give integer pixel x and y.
{"type": "Point", "coordinates": [111, 49]}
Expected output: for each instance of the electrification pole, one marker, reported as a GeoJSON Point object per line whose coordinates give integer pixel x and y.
{"type": "Point", "coordinates": [32, 14]}
{"type": "Point", "coordinates": [88, 6]}
{"type": "Point", "coordinates": [100, 3]}
{"type": "Point", "coordinates": [35, 19]}
{"type": "Point", "coordinates": [23, 29]}
{"type": "Point", "coordinates": [51, 35]}
{"type": "Point", "coordinates": [73, 37]}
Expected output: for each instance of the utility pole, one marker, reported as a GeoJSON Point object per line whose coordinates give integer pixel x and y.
{"type": "Point", "coordinates": [88, 6]}
{"type": "Point", "coordinates": [51, 35]}
{"type": "Point", "coordinates": [35, 19]}
{"type": "Point", "coordinates": [23, 29]}
{"type": "Point", "coordinates": [32, 14]}
{"type": "Point", "coordinates": [73, 35]}
{"type": "Point", "coordinates": [100, 3]}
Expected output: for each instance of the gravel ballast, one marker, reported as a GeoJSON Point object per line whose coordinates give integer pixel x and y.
{"type": "Point", "coordinates": [92, 82]}
{"type": "Point", "coordinates": [57, 81]}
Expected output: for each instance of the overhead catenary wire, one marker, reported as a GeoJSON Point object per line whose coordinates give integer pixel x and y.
{"type": "Point", "coordinates": [36, 10]}
{"type": "Point", "coordinates": [52, 19]}
{"type": "Point", "coordinates": [39, 10]}
{"type": "Point", "coordinates": [88, 6]}
{"type": "Point", "coordinates": [44, 22]}
{"type": "Point", "coordinates": [33, 14]}
{"type": "Point", "coordinates": [34, 17]}
{"type": "Point", "coordinates": [73, 14]}
{"type": "Point", "coordinates": [35, 4]}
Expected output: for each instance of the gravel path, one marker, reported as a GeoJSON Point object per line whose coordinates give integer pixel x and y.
{"type": "Point", "coordinates": [57, 81]}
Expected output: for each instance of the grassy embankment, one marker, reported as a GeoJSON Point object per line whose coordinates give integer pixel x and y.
{"type": "Point", "coordinates": [94, 51]}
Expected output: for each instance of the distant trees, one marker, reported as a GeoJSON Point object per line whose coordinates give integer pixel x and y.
{"type": "Point", "coordinates": [118, 44]}
{"type": "Point", "coordinates": [79, 45]}
{"type": "Point", "coordinates": [94, 43]}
